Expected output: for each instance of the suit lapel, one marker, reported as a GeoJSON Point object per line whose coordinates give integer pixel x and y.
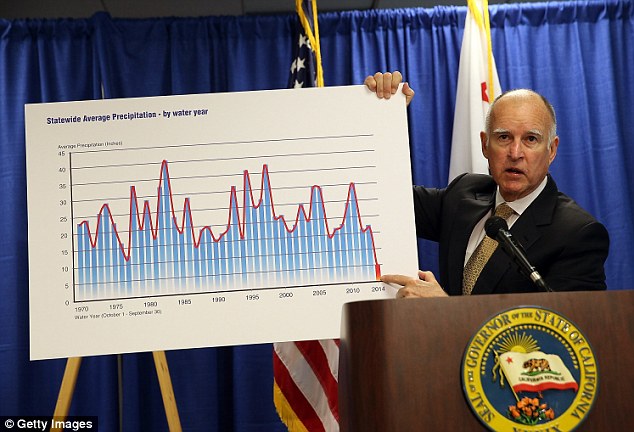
{"type": "Point", "coordinates": [469, 212]}
{"type": "Point", "coordinates": [527, 231]}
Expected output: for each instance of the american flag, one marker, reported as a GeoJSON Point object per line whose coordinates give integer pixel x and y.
{"type": "Point", "coordinates": [306, 66]}
{"type": "Point", "coordinates": [305, 373]}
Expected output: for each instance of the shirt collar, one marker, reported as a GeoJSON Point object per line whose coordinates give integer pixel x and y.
{"type": "Point", "coordinates": [521, 204]}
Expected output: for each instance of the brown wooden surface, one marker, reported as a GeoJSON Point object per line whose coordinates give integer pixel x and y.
{"type": "Point", "coordinates": [400, 360]}
{"type": "Point", "coordinates": [66, 390]}
{"type": "Point", "coordinates": [167, 391]}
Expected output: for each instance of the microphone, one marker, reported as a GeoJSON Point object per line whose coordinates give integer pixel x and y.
{"type": "Point", "coordinates": [497, 229]}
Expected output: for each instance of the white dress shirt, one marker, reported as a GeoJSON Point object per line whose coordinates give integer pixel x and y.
{"type": "Point", "coordinates": [518, 207]}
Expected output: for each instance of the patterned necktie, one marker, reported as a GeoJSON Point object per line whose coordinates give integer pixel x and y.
{"type": "Point", "coordinates": [481, 255]}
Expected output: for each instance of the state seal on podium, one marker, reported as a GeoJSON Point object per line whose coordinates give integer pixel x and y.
{"type": "Point", "coordinates": [529, 369]}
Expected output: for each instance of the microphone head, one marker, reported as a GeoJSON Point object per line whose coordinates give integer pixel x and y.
{"type": "Point", "coordinates": [493, 225]}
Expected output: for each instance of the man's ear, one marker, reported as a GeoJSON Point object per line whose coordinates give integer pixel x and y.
{"type": "Point", "coordinates": [483, 141]}
{"type": "Point", "coordinates": [553, 150]}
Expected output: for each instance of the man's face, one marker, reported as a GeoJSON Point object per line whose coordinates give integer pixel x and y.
{"type": "Point", "coordinates": [518, 150]}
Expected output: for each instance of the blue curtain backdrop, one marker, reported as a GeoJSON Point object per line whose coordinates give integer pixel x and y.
{"type": "Point", "coordinates": [578, 54]}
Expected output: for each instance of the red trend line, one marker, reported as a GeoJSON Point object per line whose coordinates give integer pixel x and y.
{"type": "Point", "coordinates": [233, 200]}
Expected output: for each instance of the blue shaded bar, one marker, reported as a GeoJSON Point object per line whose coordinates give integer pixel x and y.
{"type": "Point", "coordinates": [283, 243]}
{"type": "Point", "coordinates": [256, 243]}
{"type": "Point", "coordinates": [139, 246]}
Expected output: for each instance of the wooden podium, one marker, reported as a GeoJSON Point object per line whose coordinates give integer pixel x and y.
{"type": "Point", "coordinates": [400, 364]}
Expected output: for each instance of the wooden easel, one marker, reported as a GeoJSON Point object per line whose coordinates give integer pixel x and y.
{"type": "Point", "coordinates": [167, 391]}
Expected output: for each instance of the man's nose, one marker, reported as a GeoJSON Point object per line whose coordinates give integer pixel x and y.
{"type": "Point", "coordinates": [515, 149]}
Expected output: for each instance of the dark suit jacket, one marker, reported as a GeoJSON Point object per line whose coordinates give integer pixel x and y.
{"type": "Point", "coordinates": [565, 244]}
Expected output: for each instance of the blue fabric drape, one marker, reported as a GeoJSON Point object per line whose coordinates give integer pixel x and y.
{"type": "Point", "coordinates": [40, 61]}
{"type": "Point", "coordinates": [578, 54]}
{"type": "Point", "coordinates": [156, 57]}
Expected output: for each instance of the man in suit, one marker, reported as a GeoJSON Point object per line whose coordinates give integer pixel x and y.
{"type": "Point", "coordinates": [565, 243]}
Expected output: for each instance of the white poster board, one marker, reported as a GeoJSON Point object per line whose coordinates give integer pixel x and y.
{"type": "Point", "coordinates": [215, 219]}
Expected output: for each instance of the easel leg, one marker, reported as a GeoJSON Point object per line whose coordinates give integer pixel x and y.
{"type": "Point", "coordinates": [66, 390]}
{"type": "Point", "coordinates": [167, 391]}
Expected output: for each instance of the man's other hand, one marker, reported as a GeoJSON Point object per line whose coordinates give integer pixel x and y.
{"type": "Point", "coordinates": [386, 84]}
{"type": "Point", "coordinates": [425, 285]}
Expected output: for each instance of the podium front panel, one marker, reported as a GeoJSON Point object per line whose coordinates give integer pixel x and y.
{"type": "Point", "coordinates": [401, 359]}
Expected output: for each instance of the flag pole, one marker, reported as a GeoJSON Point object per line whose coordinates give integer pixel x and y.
{"type": "Point", "coordinates": [502, 374]}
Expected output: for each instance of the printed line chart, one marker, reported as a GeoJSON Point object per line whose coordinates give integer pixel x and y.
{"type": "Point", "coordinates": [206, 220]}
{"type": "Point", "coordinates": [269, 226]}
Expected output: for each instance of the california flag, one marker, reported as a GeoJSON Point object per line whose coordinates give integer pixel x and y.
{"type": "Point", "coordinates": [536, 371]}
{"type": "Point", "coordinates": [478, 85]}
